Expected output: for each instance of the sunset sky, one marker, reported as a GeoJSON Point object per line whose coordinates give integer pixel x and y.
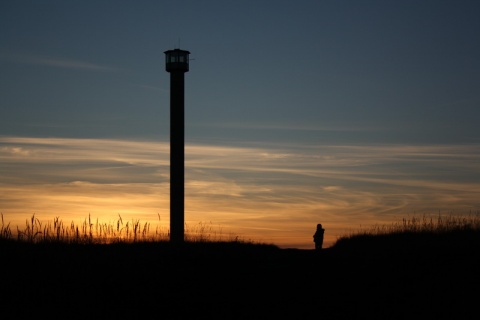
{"type": "Point", "coordinates": [345, 113]}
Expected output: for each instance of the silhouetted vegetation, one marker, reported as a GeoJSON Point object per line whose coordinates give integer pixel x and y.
{"type": "Point", "coordinates": [95, 232]}
{"type": "Point", "coordinates": [420, 268]}
{"type": "Point", "coordinates": [428, 234]}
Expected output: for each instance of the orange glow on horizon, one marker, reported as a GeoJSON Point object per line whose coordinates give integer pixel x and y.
{"type": "Point", "coordinates": [265, 195]}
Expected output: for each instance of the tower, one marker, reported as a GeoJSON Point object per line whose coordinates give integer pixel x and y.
{"type": "Point", "coordinates": [176, 63]}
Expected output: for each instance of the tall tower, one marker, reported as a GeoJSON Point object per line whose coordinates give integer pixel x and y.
{"type": "Point", "coordinates": [176, 62]}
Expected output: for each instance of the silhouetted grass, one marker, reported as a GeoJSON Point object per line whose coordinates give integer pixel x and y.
{"type": "Point", "coordinates": [448, 231]}
{"type": "Point", "coordinates": [420, 268]}
{"type": "Point", "coordinates": [96, 232]}
{"type": "Point", "coordinates": [427, 234]}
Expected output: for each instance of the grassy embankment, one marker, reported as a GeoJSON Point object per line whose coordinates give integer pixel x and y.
{"type": "Point", "coordinates": [426, 230]}
{"type": "Point", "coordinates": [425, 234]}
{"type": "Point", "coordinates": [420, 268]}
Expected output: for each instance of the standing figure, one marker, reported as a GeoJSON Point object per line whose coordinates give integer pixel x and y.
{"type": "Point", "coordinates": [318, 237]}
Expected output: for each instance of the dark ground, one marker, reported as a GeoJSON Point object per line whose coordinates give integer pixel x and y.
{"type": "Point", "coordinates": [237, 281]}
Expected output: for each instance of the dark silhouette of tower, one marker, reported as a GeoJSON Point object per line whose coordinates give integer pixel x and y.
{"type": "Point", "coordinates": [176, 63]}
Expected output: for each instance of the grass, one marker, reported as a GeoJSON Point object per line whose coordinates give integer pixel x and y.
{"type": "Point", "coordinates": [96, 232]}
{"type": "Point", "coordinates": [383, 272]}
{"type": "Point", "coordinates": [426, 224]}
{"type": "Point", "coordinates": [427, 228]}
{"type": "Point", "coordinates": [435, 233]}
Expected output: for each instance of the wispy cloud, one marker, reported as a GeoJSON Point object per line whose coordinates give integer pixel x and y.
{"type": "Point", "coordinates": [293, 127]}
{"type": "Point", "coordinates": [58, 62]}
{"type": "Point", "coordinates": [270, 194]}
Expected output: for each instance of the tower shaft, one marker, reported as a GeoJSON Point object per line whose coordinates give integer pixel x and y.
{"type": "Point", "coordinates": [176, 62]}
{"type": "Point", "coordinates": [177, 156]}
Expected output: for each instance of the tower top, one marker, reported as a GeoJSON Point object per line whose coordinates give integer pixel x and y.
{"type": "Point", "coordinates": [176, 60]}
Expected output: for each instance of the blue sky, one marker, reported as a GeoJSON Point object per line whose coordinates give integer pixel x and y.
{"type": "Point", "coordinates": [344, 113]}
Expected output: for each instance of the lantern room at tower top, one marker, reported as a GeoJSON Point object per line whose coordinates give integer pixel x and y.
{"type": "Point", "coordinates": [176, 60]}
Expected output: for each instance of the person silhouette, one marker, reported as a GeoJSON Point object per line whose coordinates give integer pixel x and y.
{"type": "Point", "coordinates": [318, 237]}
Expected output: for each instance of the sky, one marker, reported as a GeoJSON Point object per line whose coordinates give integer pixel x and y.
{"type": "Point", "coordinates": [347, 113]}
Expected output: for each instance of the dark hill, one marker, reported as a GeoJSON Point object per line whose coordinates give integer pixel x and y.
{"type": "Point", "coordinates": [367, 278]}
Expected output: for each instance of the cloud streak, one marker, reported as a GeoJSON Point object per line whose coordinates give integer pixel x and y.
{"type": "Point", "coordinates": [293, 127]}
{"type": "Point", "coordinates": [267, 194]}
{"type": "Point", "coordinates": [59, 63]}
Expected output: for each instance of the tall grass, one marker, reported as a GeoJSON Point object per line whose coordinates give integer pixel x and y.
{"type": "Point", "coordinates": [426, 228]}
{"type": "Point", "coordinates": [96, 232]}
{"type": "Point", "coordinates": [424, 224]}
